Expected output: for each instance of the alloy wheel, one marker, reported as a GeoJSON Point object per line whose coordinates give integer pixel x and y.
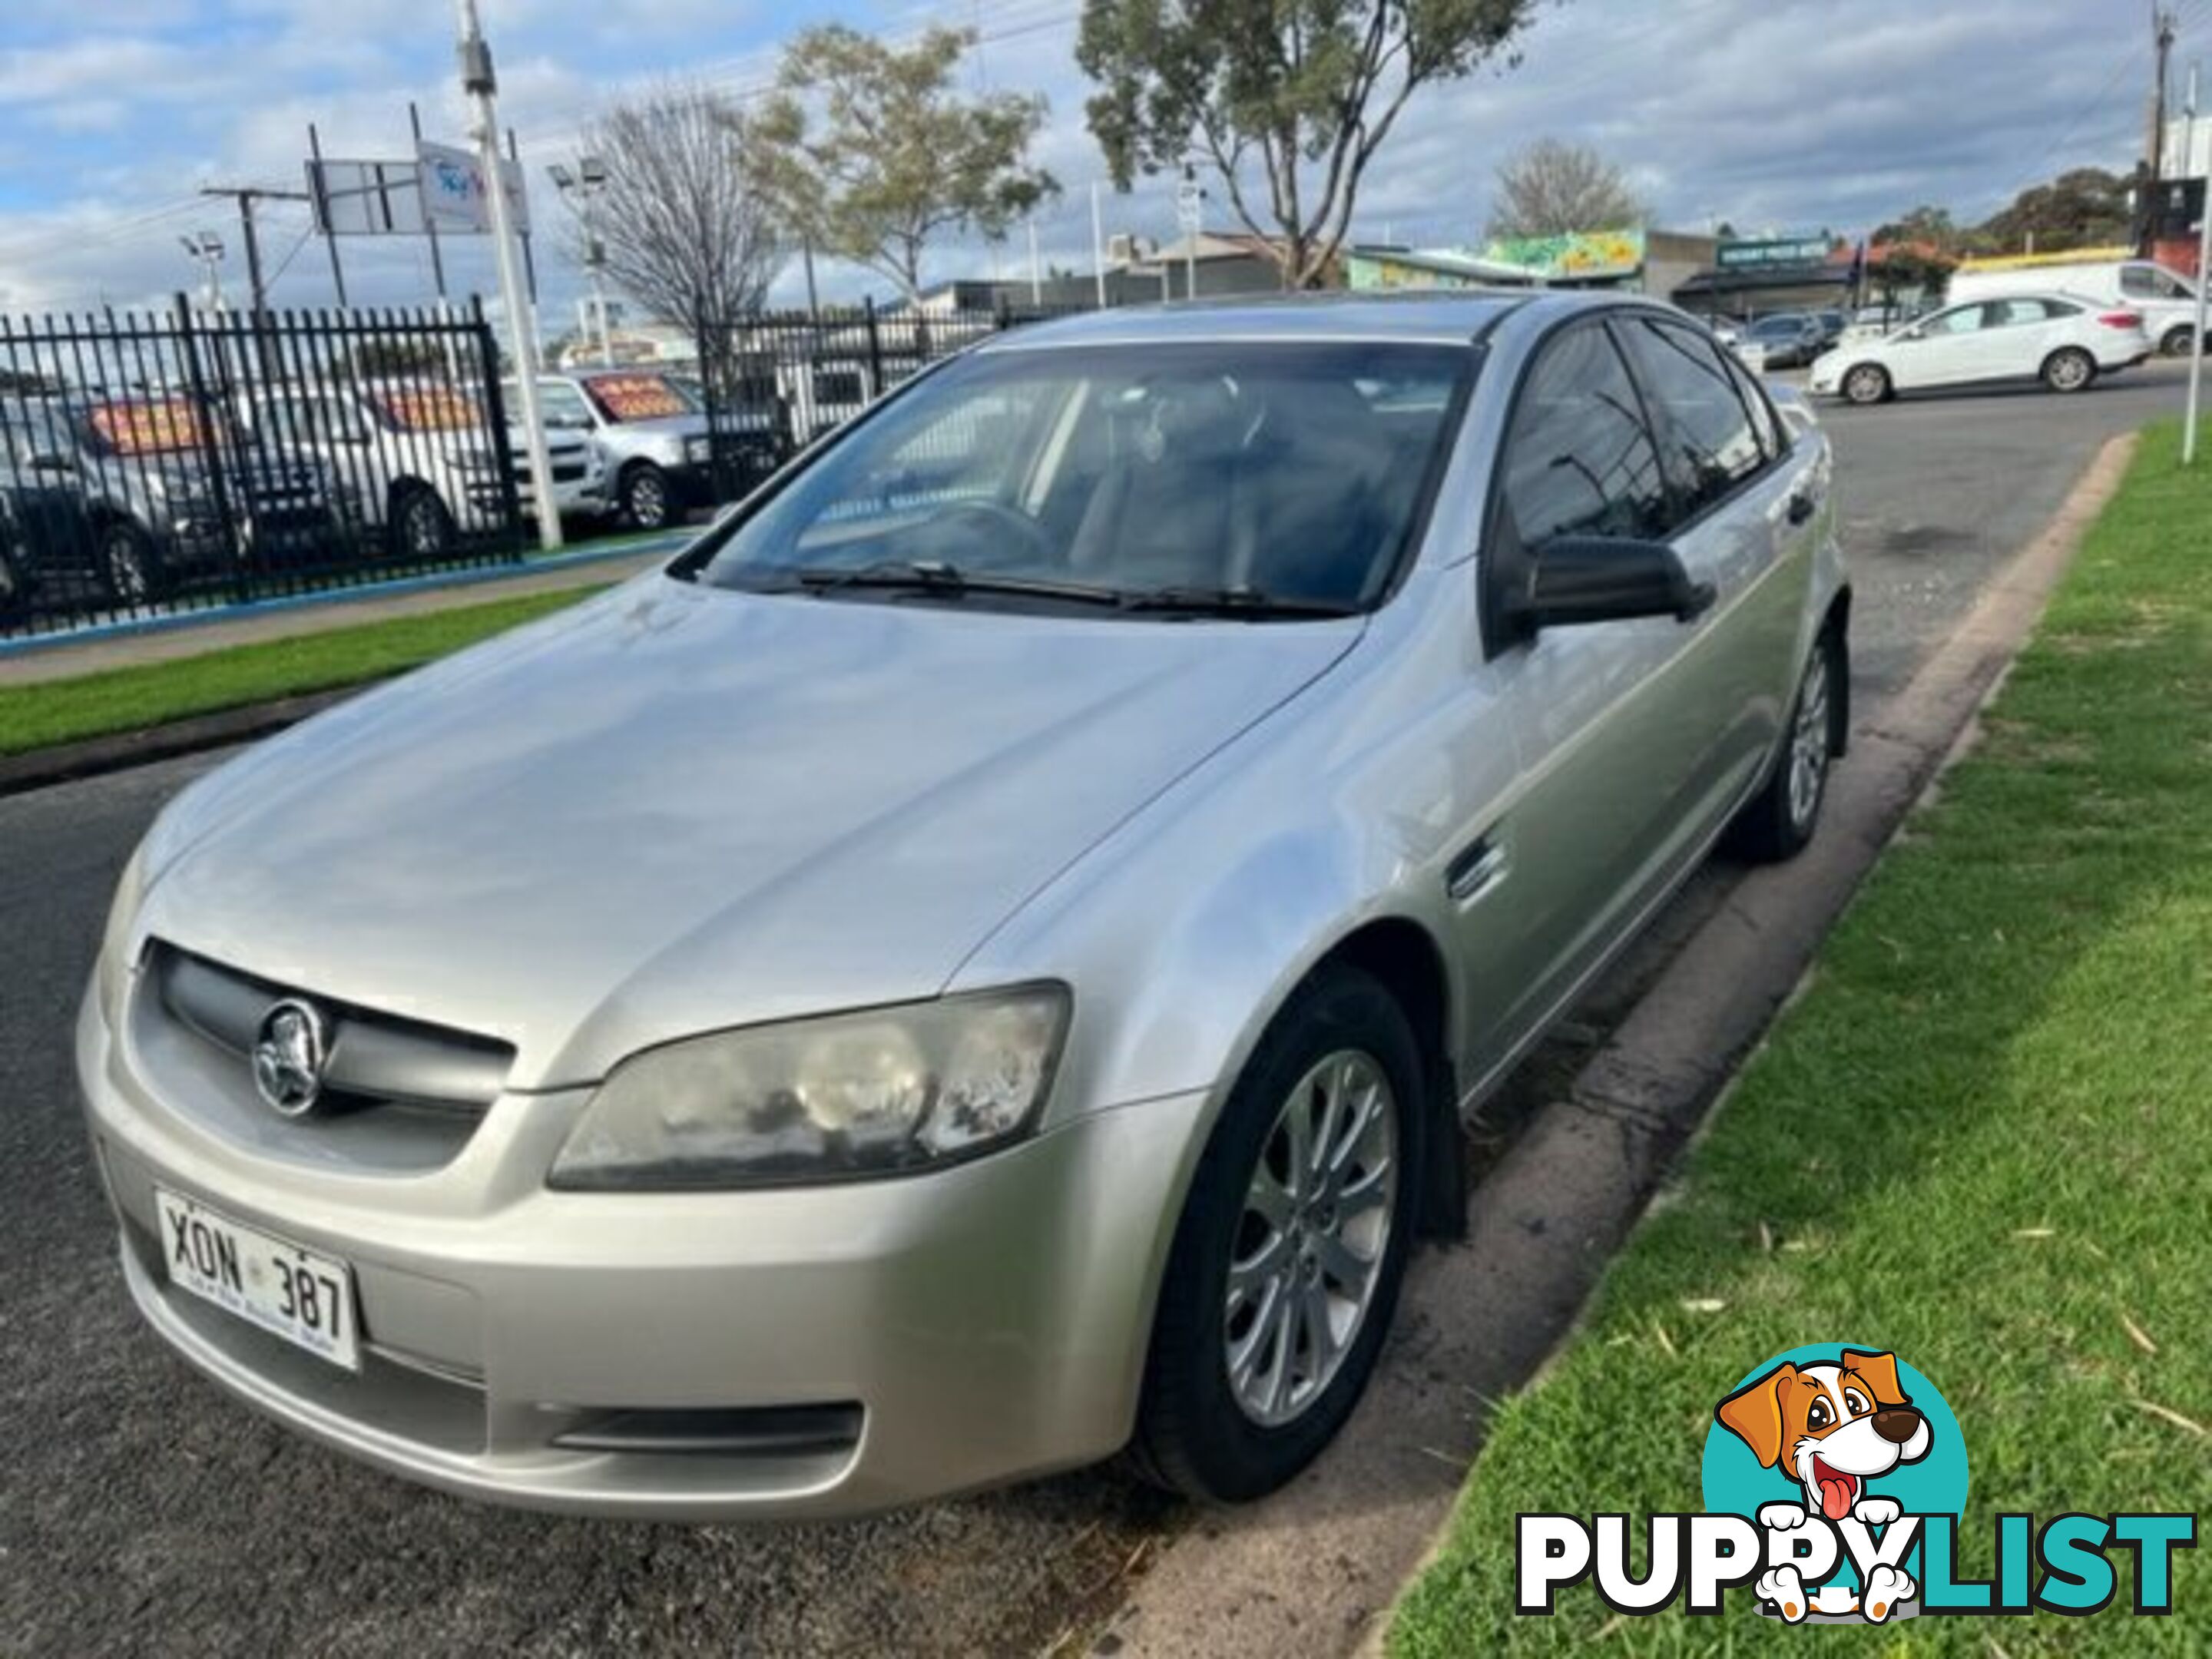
{"type": "Point", "coordinates": [126, 567]}
{"type": "Point", "coordinates": [1809, 743]}
{"type": "Point", "coordinates": [647, 500]}
{"type": "Point", "coordinates": [1866, 386]}
{"type": "Point", "coordinates": [2070, 371]}
{"type": "Point", "coordinates": [1310, 1242]}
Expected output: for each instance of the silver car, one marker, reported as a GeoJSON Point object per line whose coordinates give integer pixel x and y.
{"type": "Point", "coordinates": [978, 963]}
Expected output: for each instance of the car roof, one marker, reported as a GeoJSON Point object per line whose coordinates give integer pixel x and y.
{"type": "Point", "coordinates": [1457, 317]}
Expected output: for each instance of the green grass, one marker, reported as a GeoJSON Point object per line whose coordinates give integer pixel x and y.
{"type": "Point", "coordinates": [1983, 1138]}
{"type": "Point", "coordinates": [126, 699]}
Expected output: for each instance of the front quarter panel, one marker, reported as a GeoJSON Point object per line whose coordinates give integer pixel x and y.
{"type": "Point", "coordinates": [1184, 931]}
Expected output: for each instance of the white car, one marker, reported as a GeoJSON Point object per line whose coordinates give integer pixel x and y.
{"type": "Point", "coordinates": [2062, 341]}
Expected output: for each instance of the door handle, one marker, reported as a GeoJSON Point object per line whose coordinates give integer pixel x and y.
{"type": "Point", "coordinates": [1477, 872]}
{"type": "Point", "coordinates": [1802, 507]}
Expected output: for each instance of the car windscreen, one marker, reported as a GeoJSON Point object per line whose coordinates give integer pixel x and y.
{"type": "Point", "coordinates": [1292, 471]}
{"type": "Point", "coordinates": [624, 398]}
{"type": "Point", "coordinates": [1778, 328]}
{"type": "Point", "coordinates": [429, 407]}
{"type": "Point", "coordinates": [145, 426]}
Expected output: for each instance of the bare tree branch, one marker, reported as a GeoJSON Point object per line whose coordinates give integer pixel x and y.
{"type": "Point", "coordinates": [682, 234]}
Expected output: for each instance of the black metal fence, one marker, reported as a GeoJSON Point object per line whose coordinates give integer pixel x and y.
{"type": "Point", "coordinates": [157, 463]}
{"type": "Point", "coordinates": [152, 463]}
{"type": "Point", "coordinates": [774, 382]}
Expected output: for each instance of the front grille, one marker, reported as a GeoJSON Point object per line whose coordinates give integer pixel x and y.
{"type": "Point", "coordinates": [375, 1057]}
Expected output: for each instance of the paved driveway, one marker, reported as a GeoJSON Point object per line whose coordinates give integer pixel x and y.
{"type": "Point", "coordinates": [142, 1512]}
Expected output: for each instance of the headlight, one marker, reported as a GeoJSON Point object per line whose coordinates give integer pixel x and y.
{"type": "Point", "coordinates": [113, 975]}
{"type": "Point", "coordinates": [877, 1093]}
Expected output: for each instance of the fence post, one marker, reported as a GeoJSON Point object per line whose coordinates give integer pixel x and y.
{"type": "Point", "coordinates": [875, 350]}
{"type": "Point", "coordinates": [712, 398]}
{"type": "Point", "coordinates": [496, 410]}
{"type": "Point", "coordinates": [204, 417]}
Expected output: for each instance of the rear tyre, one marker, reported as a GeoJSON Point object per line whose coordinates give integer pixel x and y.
{"type": "Point", "coordinates": [421, 527]}
{"type": "Point", "coordinates": [2177, 341]}
{"type": "Point", "coordinates": [1867, 384]}
{"type": "Point", "coordinates": [2069, 370]}
{"type": "Point", "coordinates": [1286, 1263]}
{"type": "Point", "coordinates": [130, 565]}
{"type": "Point", "coordinates": [1778, 821]}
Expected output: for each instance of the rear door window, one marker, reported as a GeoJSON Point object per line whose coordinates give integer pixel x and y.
{"type": "Point", "coordinates": [1707, 445]}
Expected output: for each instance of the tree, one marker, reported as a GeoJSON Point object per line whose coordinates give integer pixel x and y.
{"type": "Point", "coordinates": [1552, 188]}
{"type": "Point", "coordinates": [1312, 88]}
{"type": "Point", "coordinates": [867, 152]}
{"type": "Point", "coordinates": [681, 232]}
{"type": "Point", "coordinates": [2086, 207]}
{"type": "Point", "coordinates": [1925, 226]}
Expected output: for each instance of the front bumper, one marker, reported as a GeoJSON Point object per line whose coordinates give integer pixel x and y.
{"type": "Point", "coordinates": [965, 1328]}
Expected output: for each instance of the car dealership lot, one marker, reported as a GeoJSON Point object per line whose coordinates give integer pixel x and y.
{"type": "Point", "coordinates": [145, 1512]}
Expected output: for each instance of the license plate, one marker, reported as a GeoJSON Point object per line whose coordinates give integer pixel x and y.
{"type": "Point", "coordinates": [288, 1290]}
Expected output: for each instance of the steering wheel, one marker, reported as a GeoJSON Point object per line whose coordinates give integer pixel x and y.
{"type": "Point", "coordinates": [994, 519]}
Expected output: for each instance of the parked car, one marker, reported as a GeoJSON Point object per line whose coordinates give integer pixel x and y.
{"type": "Point", "coordinates": [172, 494]}
{"type": "Point", "coordinates": [45, 533]}
{"type": "Point", "coordinates": [1832, 324]}
{"type": "Point", "coordinates": [421, 456]}
{"type": "Point", "coordinates": [2061, 342]}
{"type": "Point", "coordinates": [2166, 299]}
{"type": "Point", "coordinates": [650, 433]}
{"type": "Point", "coordinates": [980, 960]}
{"type": "Point", "coordinates": [1785, 340]}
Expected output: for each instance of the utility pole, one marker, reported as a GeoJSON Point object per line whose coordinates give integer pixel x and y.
{"type": "Point", "coordinates": [2163, 24]}
{"type": "Point", "coordinates": [246, 196]}
{"type": "Point", "coordinates": [1098, 244]}
{"type": "Point", "coordinates": [481, 85]}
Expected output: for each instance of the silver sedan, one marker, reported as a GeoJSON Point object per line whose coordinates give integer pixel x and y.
{"type": "Point", "coordinates": [978, 963]}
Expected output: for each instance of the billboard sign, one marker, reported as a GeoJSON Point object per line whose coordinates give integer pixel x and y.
{"type": "Point", "coordinates": [453, 193]}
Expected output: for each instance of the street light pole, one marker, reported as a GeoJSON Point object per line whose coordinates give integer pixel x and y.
{"type": "Point", "coordinates": [1098, 244]}
{"type": "Point", "coordinates": [481, 85]}
{"type": "Point", "coordinates": [584, 183]}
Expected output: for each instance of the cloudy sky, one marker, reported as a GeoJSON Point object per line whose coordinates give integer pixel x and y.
{"type": "Point", "coordinates": [1782, 114]}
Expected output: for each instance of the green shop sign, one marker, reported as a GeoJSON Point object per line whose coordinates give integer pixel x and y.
{"type": "Point", "coordinates": [1766, 255]}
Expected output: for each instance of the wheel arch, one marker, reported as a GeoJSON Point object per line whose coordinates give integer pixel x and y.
{"type": "Point", "coordinates": [1405, 958]}
{"type": "Point", "coordinates": [1836, 625]}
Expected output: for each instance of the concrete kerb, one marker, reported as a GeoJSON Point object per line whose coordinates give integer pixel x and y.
{"type": "Point", "coordinates": [1315, 1568]}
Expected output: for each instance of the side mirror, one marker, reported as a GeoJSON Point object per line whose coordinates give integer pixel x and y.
{"type": "Point", "coordinates": [1578, 580]}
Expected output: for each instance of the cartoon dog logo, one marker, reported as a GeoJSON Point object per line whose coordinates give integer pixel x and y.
{"type": "Point", "coordinates": [1831, 1428]}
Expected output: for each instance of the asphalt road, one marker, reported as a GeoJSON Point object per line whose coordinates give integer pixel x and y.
{"type": "Point", "coordinates": [143, 1512]}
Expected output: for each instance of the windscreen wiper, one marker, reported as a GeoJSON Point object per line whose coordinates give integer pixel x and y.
{"type": "Point", "coordinates": [936, 576]}
{"type": "Point", "coordinates": [1232, 602]}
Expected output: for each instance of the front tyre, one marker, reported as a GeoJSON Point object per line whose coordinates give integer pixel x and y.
{"type": "Point", "coordinates": [1778, 822]}
{"type": "Point", "coordinates": [2069, 370]}
{"type": "Point", "coordinates": [1292, 1243]}
{"type": "Point", "coordinates": [645, 500]}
